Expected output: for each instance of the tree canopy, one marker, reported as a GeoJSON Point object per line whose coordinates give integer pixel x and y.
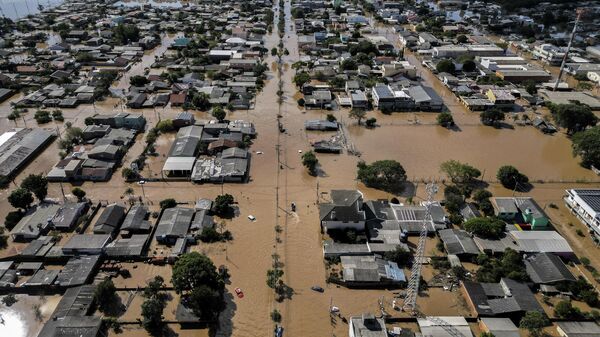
{"type": "Point", "coordinates": [573, 117]}
{"type": "Point", "coordinates": [36, 184]}
{"type": "Point", "coordinates": [445, 66]}
{"type": "Point", "coordinates": [587, 145]}
{"type": "Point", "coordinates": [20, 198]}
{"type": "Point", "coordinates": [223, 204]}
{"type": "Point", "coordinates": [534, 322]}
{"type": "Point", "coordinates": [511, 178]}
{"type": "Point", "coordinates": [310, 161]}
{"type": "Point", "coordinates": [459, 173]}
{"type": "Point", "coordinates": [193, 270]}
{"type": "Point", "coordinates": [492, 117]}
{"type": "Point", "coordinates": [386, 175]}
{"type": "Point", "coordinates": [488, 228]}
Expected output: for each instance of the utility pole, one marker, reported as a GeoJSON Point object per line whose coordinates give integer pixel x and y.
{"type": "Point", "coordinates": [565, 57]}
{"type": "Point", "coordinates": [412, 290]}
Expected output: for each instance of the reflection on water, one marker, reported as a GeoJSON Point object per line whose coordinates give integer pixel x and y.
{"type": "Point", "coordinates": [13, 324]}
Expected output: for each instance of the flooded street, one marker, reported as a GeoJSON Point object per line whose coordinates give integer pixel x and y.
{"type": "Point", "coordinates": [277, 178]}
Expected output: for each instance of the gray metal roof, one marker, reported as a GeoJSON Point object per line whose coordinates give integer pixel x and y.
{"type": "Point", "coordinates": [174, 222]}
{"type": "Point", "coordinates": [579, 329]}
{"type": "Point", "coordinates": [458, 242]}
{"type": "Point", "coordinates": [135, 220]}
{"type": "Point", "coordinates": [78, 270]}
{"type": "Point", "coordinates": [545, 268]}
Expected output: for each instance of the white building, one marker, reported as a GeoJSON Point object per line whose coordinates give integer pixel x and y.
{"type": "Point", "coordinates": [366, 325]}
{"type": "Point", "coordinates": [585, 204]}
{"type": "Point", "coordinates": [549, 53]}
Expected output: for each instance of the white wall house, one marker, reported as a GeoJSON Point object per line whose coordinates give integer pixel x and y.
{"type": "Point", "coordinates": [585, 204]}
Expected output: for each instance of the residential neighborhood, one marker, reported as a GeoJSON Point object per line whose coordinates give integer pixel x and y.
{"type": "Point", "coordinates": [299, 168]}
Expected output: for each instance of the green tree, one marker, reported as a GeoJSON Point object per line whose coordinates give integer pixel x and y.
{"type": "Point", "coordinates": [105, 294]}
{"type": "Point", "coordinates": [42, 117]}
{"type": "Point", "coordinates": [486, 334]}
{"type": "Point", "coordinates": [78, 193]}
{"type": "Point", "coordinates": [12, 219]}
{"type": "Point", "coordinates": [399, 255]}
{"type": "Point", "coordinates": [165, 125]}
{"type": "Point", "coordinates": [481, 195]}
{"type": "Point", "coordinates": [511, 178]}
{"type": "Point", "coordinates": [20, 198]}
{"type": "Point", "coordinates": [205, 301]}
{"type": "Point", "coordinates": [273, 277]}
{"type": "Point", "coordinates": [573, 117]}
{"type": "Point", "coordinates": [492, 117]}
{"type": "Point", "coordinates": [223, 204]}
{"type": "Point", "coordinates": [9, 299]}
{"type": "Point", "coordinates": [152, 315]}
{"type": "Point", "coordinates": [310, 161]}
{"type": "Point", "coordinates": [488, 228]}
{"type": "Point", "coordinates": [370, 122]}
{"type": "Point", "coordinates": [349, 64]}
{"type": "Point", "coordinates": [331, 118]}
{"type": "Point", "coordinates": [138, 81]}
{"type": "Point", "coordinates": [301, 78]}
{"type": "Point", "coordinates": [587, 145]}
{"type": "Point", "coordinates": [565, 310]}
{"type": "Point", "coordinates": [445, 119]}
{"type": "Point", "coordinates": [200, 101]}
{"type": "Point", "coordinates": [125, 33]}
{"type": "Point", "coordinates": [469, 66]}
{"type": "Point", "coordinates": [36, 184]}
{"type": "Point", "coordinates": [534, 322]}
{"type": "Point", "coordinates": [387, 175]}
{"type": "Point", "coordinates": [219, 113]}
{"type": "Point", "coordinates": [462, 39]}
{"type": "Point", "coordinates": [129, 174]}
{"type": "Point", "coordinates": [193, 270]}
{"type": "Point", "coordinates": [168, 203]}
{"type": "Point", "coordinates": [357, 114]}
{"type": "Point", "coordinates": [445, 66]}
{"type": "Point", "coordinates": [459, 173]}
{"type": "Point", "coordinates": [531, 87]}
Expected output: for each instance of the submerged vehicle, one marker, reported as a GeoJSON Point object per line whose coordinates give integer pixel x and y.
{"type": "Point", "coordinates": [239, 292]}
{"type": "Point", "coordinates": [317, 289]}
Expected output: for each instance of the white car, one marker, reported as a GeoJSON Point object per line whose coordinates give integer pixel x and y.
{"type": "Point", "coordinates": [251, 217]}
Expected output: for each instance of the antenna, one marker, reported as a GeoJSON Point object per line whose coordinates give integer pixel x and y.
{"type": "Point", "coordinates": [410, 300]}
{"type": "Point", "coordinates": [580, 11]}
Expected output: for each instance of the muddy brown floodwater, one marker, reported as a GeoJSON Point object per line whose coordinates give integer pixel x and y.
{"type": "Point", "coordinates": [278, 178]}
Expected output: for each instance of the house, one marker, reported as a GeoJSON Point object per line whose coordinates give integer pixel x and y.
{"type": "Point", "coordinates": [70, 318]}
{"type": "Point", "coordinates": [458, 242]}
{"type": "Point", "coordinates": [344, 211]}
{"type": "Point", "coordinates": [499, 327]}
{"type": "Point", "coordinates": [371, 270]}
{"type": "Point", "coordinates": [366, 325]}
{"type": "Point", "coordinates": [68, 215]}
{"type": "Point", "coordinates": [502, 99]}
{"type": "Point", "coordinates": [585, 204]}
{"type": "Point", "coordinates": [320, 125]}
{"type": "Point", "coordinates": [174, 224]}
{"type": "Point", "coordinates": [508, 298]}
{"type": "Point", "coordinates": [110, 220]}
{"type": "Point", "coordinates": [131, 247]}
{"type": "Point", "coordinates": [522, 210]}
{"type": "Point", "coordinates": [387, 99]}
{"type": "Point", "coordinates": [136, 221]}
{"type": "Point", "coordinates": [37, 221]}
{"type": "Point", "coordinates": [549, 54]}
{"type": "Point", "coordinates": [470, 211]}
{"type": "Point", "coordinates": [183, 152]}
{"type": "Point", "coordinates": [425, 98]}
{"type": "Point", "coordinates": [78, 271]}
{"type": "Point", "coordinates": [86, 244]}
{"type": "Point", "coordinates": [359, 99]}
{"type": "Point", "coordinates": [184, 118]}
{"type": "Point", "coordinates": [438, 326]}
{"type": "Point", "coordinates": [318, 99]}
{"type": "Point", "coordinates": [577, 329]}
{"type": "Point", "coordinates": [546, 270]}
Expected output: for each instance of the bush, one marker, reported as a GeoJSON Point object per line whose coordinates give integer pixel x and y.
{"type": "Point", "coordinates": [331, 118]}
{"type": "Point", "coordinates": [210, 234]}
{"type": "Point", "coordinates": [168, 203]}
{"type": "Point", "coordinates": [566, 310]}
{"type": "Point", "coordinates": [78, 193]}
{"type": "Point", "coordinates": [219, 113]}
{"type": "Point", "coordinates": [9, 299]}
{"type": "Point", "coordinates": [371, 122]}
{"type": "Point", "coordinates": [276, 316]}
{"type": "Point", "coordinates": [42, 117]}
{"type": "Point", "coordinates": [129, 174]}
{"type": "Point", "coordinates": [445, 66]}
